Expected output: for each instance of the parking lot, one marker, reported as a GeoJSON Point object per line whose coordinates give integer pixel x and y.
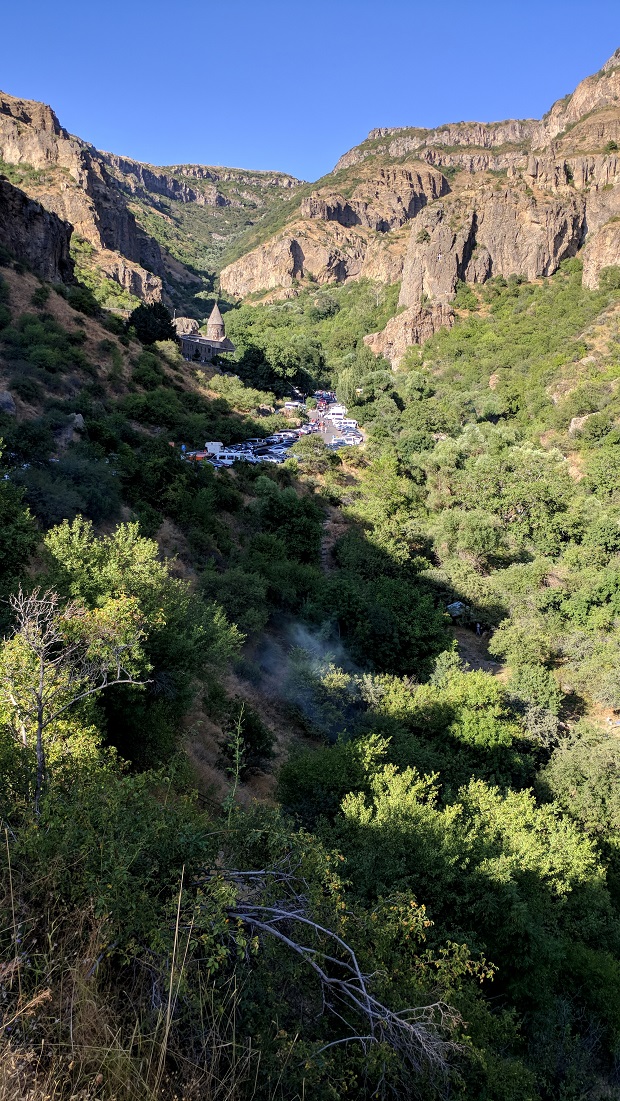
{"type": "Point", "coordinates": [280, 446]}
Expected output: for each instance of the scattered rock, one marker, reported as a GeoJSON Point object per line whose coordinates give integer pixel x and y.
{"type": "Point", "coordinates": [7, 403]}
{"type": "Point", "coordinates": [577, 424]}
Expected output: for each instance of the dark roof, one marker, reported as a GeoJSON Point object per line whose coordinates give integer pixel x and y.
{"type": "Point", "coordinates": [224, 345]}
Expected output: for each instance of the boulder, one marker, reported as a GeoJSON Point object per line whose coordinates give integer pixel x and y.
{"type": "Point", "coordinates": [577, 424]}
{"type": "Point", "coordinates": [7, 403]}
{"type": "Point", "coordinates": [70, 432]}
{"type": "Point", "coordinates": [185, 326]}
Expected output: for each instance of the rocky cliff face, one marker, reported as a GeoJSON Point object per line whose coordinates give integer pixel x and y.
{"type": "Point", "coordinates": [391, 198]}
{"type": "Point", "coordinates": [463, 202]}
{"type": "Point", "coordinates": [499, 230]}
{"type": "Point", "coordinates": [412, 326]}
{"type": "Point", "coordinates": [71, 179]}
{"type": "Point", "coordinates": [34, 236]}
{"type": "Point", "coordinates": [134, 176]}
{"type": "Point", "coordinates": [132, 214]}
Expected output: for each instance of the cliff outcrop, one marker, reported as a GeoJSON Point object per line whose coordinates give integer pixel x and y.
{"type": "Point", "coordinates": [412, 326]}
{"type": "Point", "coordinates": [388, 200]}
{"type": "Point", "coordinates": [601, 251]}
{"type": "Point", "coordinates": [132, 214]}
{"type": "Point", "coordinates": [459, 203]}
{"type": "Point", "coordinates": [34, 236]}
{"type": "Point", "coordinates": [70, 179]}
{"type": "Point", "coordinates": [133, 176]}
{"type": "Point", "coordinates": [499, 231]}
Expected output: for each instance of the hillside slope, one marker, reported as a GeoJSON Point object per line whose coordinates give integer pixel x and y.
{"type": "Point", "coordinates": [461, 203]}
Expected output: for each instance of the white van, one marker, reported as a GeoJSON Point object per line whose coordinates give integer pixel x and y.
{"type": "Point", "coordinates": [348, 423]}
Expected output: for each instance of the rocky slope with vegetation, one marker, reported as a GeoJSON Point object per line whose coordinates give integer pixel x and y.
{"type": "Point", "coordinates": [139, 231]}
{"type": "Point", "coordinates": [478, 200]}
{"type": "Point", "coordinates": [273, 826]}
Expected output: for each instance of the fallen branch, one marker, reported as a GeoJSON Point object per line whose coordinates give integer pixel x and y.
{"type": "Point", "coordinates": [422, 1036]}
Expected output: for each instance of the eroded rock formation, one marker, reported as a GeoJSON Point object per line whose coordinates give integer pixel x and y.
{"type": "Point", "coordinates": [465, 202]}
{"type": "Point", "coordinates": [34, 236]}
{"type": "Point", "coordinates": [412, 326]}
{"type": "Point", "coordinates": [72, 180]}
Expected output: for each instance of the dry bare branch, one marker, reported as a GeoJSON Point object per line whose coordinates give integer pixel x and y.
{"type": "Point", "coordinates": [422, 1036]}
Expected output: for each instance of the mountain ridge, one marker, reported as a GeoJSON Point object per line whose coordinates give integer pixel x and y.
{"type": "Point", "coordinates": [117, 206]}
{"type": "Point", "coordinates": [146, 232]}
{"type": "Point", "coordinates": [502, 198]}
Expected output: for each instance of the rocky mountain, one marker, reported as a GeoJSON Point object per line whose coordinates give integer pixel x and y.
{"type": "Point", "coordinates": [34, 236]}
{"type": "Point", "coordinates": [148, 231]}
{"type": "Point", "coordinates": [460, 203]}
{"type": "Point", "coordinates": [426, 208]}
{"type": "Point", "coordinates": [69, 178]}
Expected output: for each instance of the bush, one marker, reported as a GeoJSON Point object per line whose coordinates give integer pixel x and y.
{"type": "Point", "coordinates": [28, 389]}
{"type": "Point", "coordinates": [40, 295]}
{"type": "Point", "coordinates": [82, 300]}
{"type": "Point", "coordinates": [148, 372]}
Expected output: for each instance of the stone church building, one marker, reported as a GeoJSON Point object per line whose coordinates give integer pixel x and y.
{"type": "Point", "coordinates": [205, 348]}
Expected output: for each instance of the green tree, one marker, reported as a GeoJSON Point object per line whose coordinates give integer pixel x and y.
{"type": "Point", "coordinates": [152, 323]}
{"type": "Point", "coordinates": [185, 639]}
{"type": "Point", "coordinates": [59, 656]}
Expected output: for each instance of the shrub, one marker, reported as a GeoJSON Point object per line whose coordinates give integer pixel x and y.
{"type": "Point", "coordinates": [40, 295]}
{"type": "Point", "coordinates": [609, 278]}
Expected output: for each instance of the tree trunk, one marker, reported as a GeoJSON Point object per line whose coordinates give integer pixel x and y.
{"type": "Point", "coordinates": [40, 746]}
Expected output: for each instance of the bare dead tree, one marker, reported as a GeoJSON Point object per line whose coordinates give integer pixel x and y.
{"type": "Point", "coordinates": [53, 667]}
{"type": "Point", "coordinates": [422, 1036]}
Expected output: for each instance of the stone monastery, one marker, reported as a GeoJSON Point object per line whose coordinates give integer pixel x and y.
{"type": "Point", "coordinates": [204, 348]}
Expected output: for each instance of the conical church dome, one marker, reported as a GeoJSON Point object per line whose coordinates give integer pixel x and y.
{"type": "Point", "coordinates": [215, 325]}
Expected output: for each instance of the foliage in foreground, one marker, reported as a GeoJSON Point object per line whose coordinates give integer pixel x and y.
{"type": "Point", "coordinates": [448, 835]}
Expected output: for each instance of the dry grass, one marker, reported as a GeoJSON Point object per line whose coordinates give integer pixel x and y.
{"type": "Point", "coordinates": [74, 1039]}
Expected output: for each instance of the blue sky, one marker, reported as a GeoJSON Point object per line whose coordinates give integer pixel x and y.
{"type": "Point", "coordinates": [292, 85]}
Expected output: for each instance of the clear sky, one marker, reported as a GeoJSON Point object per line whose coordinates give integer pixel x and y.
{"type": "Point", "coordinates": [292, 84]}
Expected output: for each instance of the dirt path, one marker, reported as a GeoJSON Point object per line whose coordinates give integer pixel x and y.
{"type": "Point", "coordinates": [473, 649]}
